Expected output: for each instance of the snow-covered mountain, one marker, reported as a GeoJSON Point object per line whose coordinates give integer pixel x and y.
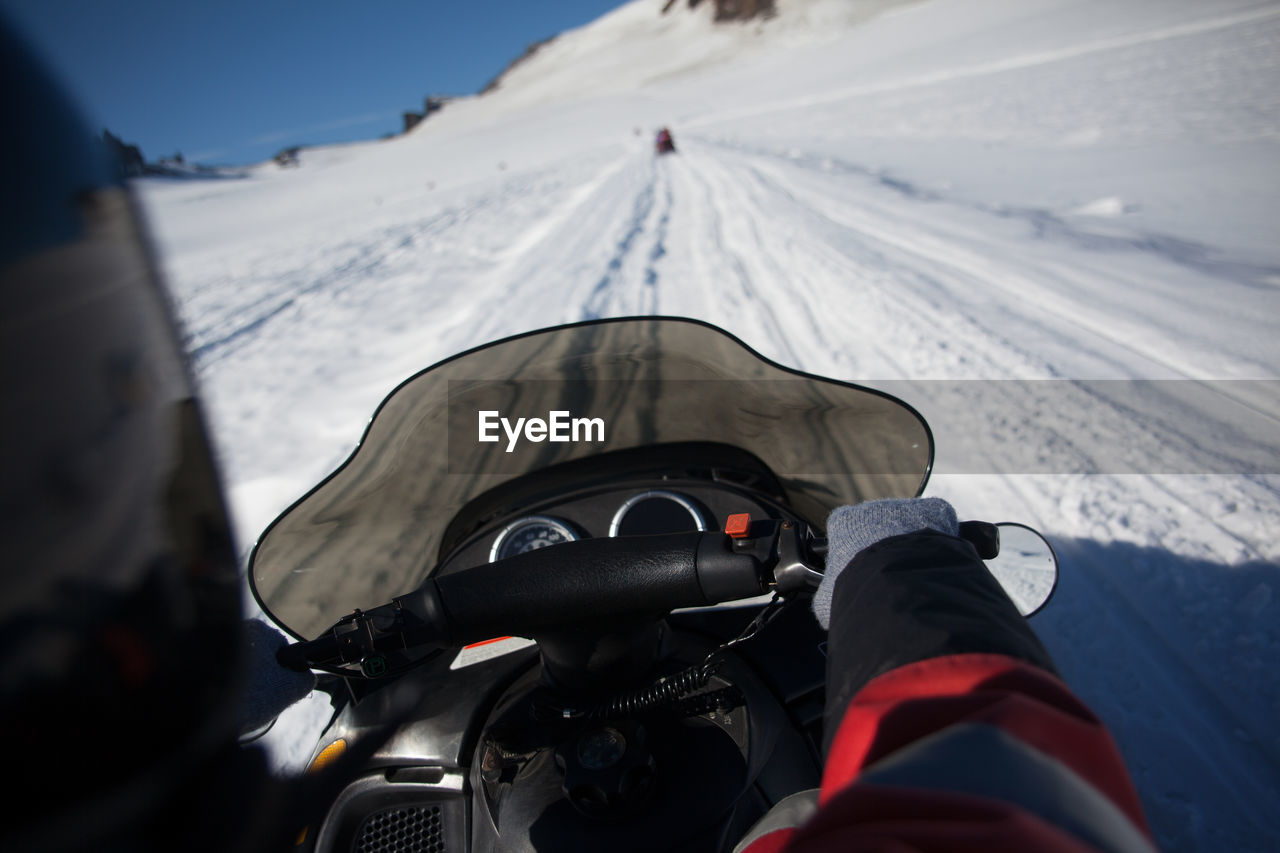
{"type": "Point", "coordinates": [645, 43]}
{"type": "Point", "coordinates": [945, 189]}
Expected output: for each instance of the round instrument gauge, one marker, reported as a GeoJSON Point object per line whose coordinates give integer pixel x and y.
{"type": "Point", "coordinates": [530, 534]}
{"type": "Point", "coordinates": [656, 511]}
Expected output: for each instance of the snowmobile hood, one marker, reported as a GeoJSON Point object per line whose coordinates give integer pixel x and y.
{"type": "Point", "coordinates": [472, 424]}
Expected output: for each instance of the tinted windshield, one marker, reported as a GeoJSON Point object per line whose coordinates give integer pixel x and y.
{"type": "Point", "coordinates": [374, 528]}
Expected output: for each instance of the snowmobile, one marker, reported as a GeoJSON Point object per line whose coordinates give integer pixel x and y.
{"type": "Point", "coordinates": [559, 594]}
{"type": "Point", "coordinates": [664, 143]}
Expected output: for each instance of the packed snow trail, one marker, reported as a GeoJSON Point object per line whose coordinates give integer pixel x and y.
{"type": "Point", "coordinates": [925, 215]}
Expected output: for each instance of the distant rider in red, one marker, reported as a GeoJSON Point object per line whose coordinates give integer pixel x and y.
{"type": "Point", "coordinates": [664, 144]}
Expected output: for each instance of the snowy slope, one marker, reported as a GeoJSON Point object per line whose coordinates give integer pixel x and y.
{"type": "Point", "coordinates": [947, 190]}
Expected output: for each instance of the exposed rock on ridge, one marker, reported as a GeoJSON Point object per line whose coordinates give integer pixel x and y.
{"type": "Point", "coordinates": [733, 10]}
{"type": "Point", "coordinates": [433, 103]}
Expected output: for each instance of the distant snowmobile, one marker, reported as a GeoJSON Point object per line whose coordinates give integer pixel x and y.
{"type": "Point", "coordinates": [664, 144]}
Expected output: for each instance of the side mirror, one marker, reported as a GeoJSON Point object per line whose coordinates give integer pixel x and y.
{"type": "Point", "coordinates": [1026, 567]}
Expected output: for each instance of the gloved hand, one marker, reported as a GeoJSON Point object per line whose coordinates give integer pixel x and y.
{"type": "Point", "coordinates": [269, 688]}
{"type": "Point", "coordinates": [851, 529]}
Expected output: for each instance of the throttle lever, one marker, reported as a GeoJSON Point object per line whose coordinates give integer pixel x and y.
{"type": "Point", "coordinates": [797, 556]}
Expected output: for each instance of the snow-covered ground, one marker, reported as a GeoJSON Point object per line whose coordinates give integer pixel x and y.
{"type": "Point", "coordinates": [943, 190]}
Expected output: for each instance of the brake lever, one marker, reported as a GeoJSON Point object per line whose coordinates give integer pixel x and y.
{"type": "Point", "coordinates": [798, 556]}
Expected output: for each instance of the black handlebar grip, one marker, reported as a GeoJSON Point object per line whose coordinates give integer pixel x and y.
{"type": "Point", "coordinates": [583, 583]}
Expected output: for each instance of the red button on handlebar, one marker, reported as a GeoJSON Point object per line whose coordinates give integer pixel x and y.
{"type": "Point", "coordinates": [737, 525]}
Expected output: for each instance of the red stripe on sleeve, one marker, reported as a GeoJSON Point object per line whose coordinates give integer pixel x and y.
{"type": "Point", "coordinates": [909, 703]}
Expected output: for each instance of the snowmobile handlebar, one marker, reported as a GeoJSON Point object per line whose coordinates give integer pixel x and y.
{"type": "Point", "coordinates": [587, 583]}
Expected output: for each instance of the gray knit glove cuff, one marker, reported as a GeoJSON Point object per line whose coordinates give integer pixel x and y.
{"type": "Point", "coordinates": [852, 529]}
{"type": "Point", "coordinates": [269, 687]}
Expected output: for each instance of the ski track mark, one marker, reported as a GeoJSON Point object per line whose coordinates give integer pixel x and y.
{"type": "Point", "coordinates": [1045, 224]}
{"type": "Point", "coordinates": [1043, 286]}
{"type": "Point", "coordinates": [551, 252]}
{"type": "Point", "coordinates": [659, 248]}
{"type": "Point", "coordinates": [789, 263]}
{"type": "Point", "coordinates": [913, 313]}
{"type": "Point", "coordinates": [599, 297]}
{"type": "Point", "coordinates": [366, 260]}
{"type": "Point", "coordinates": [734, 244]}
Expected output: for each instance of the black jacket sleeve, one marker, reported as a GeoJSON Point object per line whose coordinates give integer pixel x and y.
{"type": "Point", "coordinates": [910, 598]}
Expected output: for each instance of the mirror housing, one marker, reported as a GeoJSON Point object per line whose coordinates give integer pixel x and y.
{"type": "Point", "coordinates": [1026, 567]}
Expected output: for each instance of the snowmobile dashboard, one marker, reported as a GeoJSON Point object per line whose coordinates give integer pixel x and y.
{"type": "Point", "coordinates": [616, 477]}
{"type": "Point", "coordinates": [643, 508]}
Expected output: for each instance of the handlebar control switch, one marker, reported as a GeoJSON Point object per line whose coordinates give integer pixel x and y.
{"type": "Point", "coordinates": [738, 525]}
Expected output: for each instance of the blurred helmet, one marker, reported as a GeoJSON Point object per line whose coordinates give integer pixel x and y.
{"type": "Point", "coordinates": [120, 603]}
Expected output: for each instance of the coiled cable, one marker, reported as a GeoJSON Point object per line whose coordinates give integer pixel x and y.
{"type": "Point", "coordinates": [670, 690]}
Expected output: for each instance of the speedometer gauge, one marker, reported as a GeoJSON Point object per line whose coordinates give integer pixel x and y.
{"type": "Point", "coordinates": [530, 534]}
{"type": "Point", "coordinates": [657, 511]}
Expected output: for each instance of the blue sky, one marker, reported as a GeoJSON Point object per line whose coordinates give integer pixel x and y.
{"type": "Point", "coordinates": [237, 80]}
